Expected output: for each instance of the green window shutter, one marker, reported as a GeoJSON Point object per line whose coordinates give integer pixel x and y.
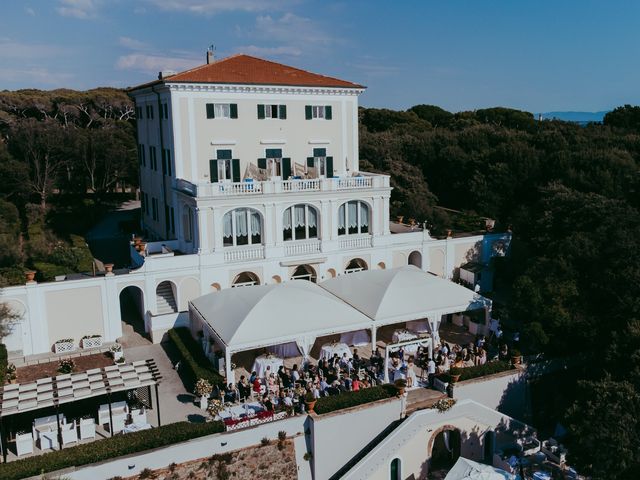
{"type": "Point", "coordinates": [310, 161]}
{"type": "Point", "coordinates": [329, 167]}
{"type": "Point", "coordinates": [307, 112]}
{"type": "Point", "coordinates": [286, 168]}
{"type": "Point", "coordinates": [260, 112]}
{"type": "Point", "coordinates": [213, 170]}
{"type": "Point", "coordinates": [210, 111]}
{"type": "Point", "coordinates": [283, 111]}
{"type": "Point", "coordinates": [235, 169]}
{"type": "Point", "coordinates": [262, 163]}
{"type": "Point", "coordinates": [233, 110]}
{"type": "Point", "coordinates": [327, 112]}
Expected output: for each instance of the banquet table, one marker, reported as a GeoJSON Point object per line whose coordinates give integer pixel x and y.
{"type": "Point", "coordinates": [237, 411]}
{"type": "Point", "coordinates": [403, 336]}
{"type": "Point", "coordinates": [263, 361]}
{"type": "Point", "coordinates": [357, 338]}
{"type": "Point", "coordinates": [328, 350]}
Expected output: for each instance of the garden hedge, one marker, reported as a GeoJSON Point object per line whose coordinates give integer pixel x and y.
{"type": "Point", "coordinates": [4, 361]}
{"type": "Point", "coordinates": [489, 368]}
{"type": "Point", "coordinates": [107, 449]}
{"type": "Point", "coordinates": [352, 399]}
{"type": "Point", "coordinates": [194, 363]}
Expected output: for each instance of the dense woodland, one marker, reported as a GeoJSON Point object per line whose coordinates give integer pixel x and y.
{"type": "Point", "coordinates": [569, 193]}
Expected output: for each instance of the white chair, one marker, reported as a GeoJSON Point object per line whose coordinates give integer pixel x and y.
{"type": "Point", "coordinates": [48, 440]}
{"type": "Point", "coordinates": [119, 422]}
{"type": "Point", "coordinates": [87, 428]}
{"type": "Point", "coordinates": [24, 443]}
{"type": "Point", "coordinates": [69, 433]}
{"type": "Point", "coordinates": [139, 417]}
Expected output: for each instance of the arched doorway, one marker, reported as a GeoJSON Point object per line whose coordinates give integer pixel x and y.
{"type": "Point", "coordinates": [304, 272]}
{"type": "Point", "coordinates": [395, 469]}
{"type": "Point", "coordinates": [415, 258]}
{"type": "Point", "coordinates": [356, 265]}
{"type": "Point", "coordinates": [245, 279]}
{"type": "Point", "coordinates": [166, 298]}
{"type": "Point", "coordinates": [132, 311]}
{"type": "Point", "coordinates": [446, 449]}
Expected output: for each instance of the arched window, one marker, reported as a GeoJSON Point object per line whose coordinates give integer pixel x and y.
{"type": "Point", "coordinates": [356, 265]}
{"type": "Point", "coordinates": [245, 279]}
{"type": "Point", "coordinates": [394, 469]}
{"type": "Point", "coordinates": [300, 222]}
{"type": "Point", "coordinates": [304, 272]}
{"type": "Point", "coordinates": [353, 218]}
{"type": "Point", "coordinates": [242, 226]}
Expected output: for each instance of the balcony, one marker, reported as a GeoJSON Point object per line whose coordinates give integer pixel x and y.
{"type": "Point", "coordinates": [244, 253]}
{"type": "Point", "coordinates": [276, 186]}
{"type": "Point", "coordinates": [302, 247]}
{"type": "Point", "coordinates": [354, 242]}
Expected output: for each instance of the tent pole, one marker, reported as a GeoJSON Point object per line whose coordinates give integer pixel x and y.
{"type": "Point", "coordinates": [157, 404]}
{"type": "Point", "coordinates": [110, 413]}
{"type": "Point", "coordinates": [374, 340]}
{"type": "Point", "coordinates": [59, 431]}
{"type": "Point", "coordinates": [386, 364]}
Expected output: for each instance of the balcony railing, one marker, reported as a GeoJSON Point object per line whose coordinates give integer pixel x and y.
{"type": "Point", "coordinates": [244, 253]}
{"type": "Point", "coordinates": [223, 189]}
{"type": "Point", "coordinates": [350, 243]}
{"type": "Point", "coordinates": [302, 247]}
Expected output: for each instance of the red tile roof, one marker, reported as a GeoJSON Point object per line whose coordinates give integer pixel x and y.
{"type": "Point", "coordinates": [245, 69]}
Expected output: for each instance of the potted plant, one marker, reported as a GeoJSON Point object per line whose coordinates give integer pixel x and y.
{"type": "Point", "coordinates": [116, 352]}
{"type": "Point", "coordinates": [310, 401]}
{"type": "Point", "coordinates": [11, 373]}
{"type": "Point", "coordinates": [203, 389]}
{"type": "Point", "coordinates": [454, 374]}
{"type": "Point", "coordinates": [66, 365]}
{"type": "Point", "coordinates": [64, 345]}
{"type": "Point", "coordinates": [214, 408]}
{"type": "Point", "coordinates": [109, 268]}
{"type": "Point", "coordinates": [91, 341]}
{"type": "Point", "coordinates": [30, 275]}
{"type": "Point", "coordinates": [400, 384]}
{"type": "Point", "coordinates": [516, 357]}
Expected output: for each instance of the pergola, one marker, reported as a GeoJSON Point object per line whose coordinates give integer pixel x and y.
{"type": "Point", "coordinates": [55, 391]}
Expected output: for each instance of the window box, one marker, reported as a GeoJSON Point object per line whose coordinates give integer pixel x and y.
{"type": "Point", "coordinates": [64, 345]}
{"type": "Point", "coordinates": [92, 341]}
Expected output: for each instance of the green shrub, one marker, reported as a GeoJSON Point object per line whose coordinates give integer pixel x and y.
{"type": "Point", "coordinates": [351, 399]}
{"type": "Point", "coordinates": [482, 370]}
{"type": "Point", "coordinates": [195, 364]}
{"type": "Point", "coordinates": [106, 449]}
{"type": "Point", "coordinates": [3, 363]}
{"type": "Point", "coordinates": [49, 271]}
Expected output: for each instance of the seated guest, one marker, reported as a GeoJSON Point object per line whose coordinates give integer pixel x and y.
{"type": "Point", "coordinates": [323, 386]}
{"type": "Point", "coordinates": [272, 385]}
{"type": "Point", "coordinates": [355, 383]}
{"type": "Point", "coordinates": [481, 357]}
{"type": "Point", "coordinates": [256, 385]}
{"type": "Point", "coordinates": [253, 377]}
{"type": "Point", "coordinates": [231, 394]}
{"type": "Point", "coordinates": [267, 403]}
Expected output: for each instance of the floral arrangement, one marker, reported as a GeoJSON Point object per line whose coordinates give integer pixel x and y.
{"type": "Point", "coordinates": [66, 365]}
{"type": "Point", "coordinates": [215, 407]}
{"type": "Point", "coordinates": [91, 336]}
{"type": "Point", "coordinates": [203, 387]}
{"type": "Point", "coordinates": [119, 360]}
{"type": "Point", "coordinates": [116, 347]}
{"type": "Point", "coordinates": [299, 391]}
{"type": "Point", "coordinates": [11, 371]}
{"type": "Point", "coordinates": [444, 404]}
{"type": "Point", "coordinates": [65, 340]}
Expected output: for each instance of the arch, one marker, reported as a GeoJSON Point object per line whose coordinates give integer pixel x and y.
{"type": "Point", "coordinates": [437, 262]}
{"type": "Point", "coordinates": [276, 279]}
{"type": "Point", "coordinates": [215, 286]}
{"type": "Point", "coordinates": [354, 217]}
{"type": "Point", "coordinates": [304, 272]}
{"type": "Point", "coordinates": [356, 265]}
{"type": "Point", "coordinates": [300, 222]}
{"type": "Point", "coordinates": [242, 226]}
{"type": "Point", "coordinates": [331, 273]}
{"type": "Point", "coordinates": [443, 448]}
{"type": "Point", "coordinates": [132, 309]}
{"type": "Point", "coordinates": [415, 258]}
{"type": "Point", "coordinates": [395, 469]}
{"type": "Point", "coordinates": [489, 446]}
{"type": "Point", "coordinates": [382, 265]}
{"type": "Point", "coordinates": [245, 279]}
{"type": "Point", "coordinates": [189, 289]}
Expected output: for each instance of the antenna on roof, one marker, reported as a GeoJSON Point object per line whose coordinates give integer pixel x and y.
{"type": "Point", "coordinates": [211, 53]}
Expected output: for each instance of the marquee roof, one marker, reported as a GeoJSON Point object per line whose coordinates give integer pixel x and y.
{"type": "Point", "coordinates": [402, 294]}
{"type": "Point", "coordinates": [257, 316]}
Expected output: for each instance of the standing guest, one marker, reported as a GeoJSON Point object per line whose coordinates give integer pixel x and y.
{"type": "Point", "coordinates": [431, 371]}
{"type": "Point", "coordinates": [252, 377]}
{"type": "Point", "coordinates": [504, 352]}
{"type": "Point", "coordinates": [481, 357]}
{"type": "Point", "coordinates": [295, 375]}
{"type": "Point", "coordinates": [244, 390]}
{"type": "Point", "coordinates": [272, 386]}
{"type": "Point", "coordinates": [256, 385]}
{"type": "Point", "coordinates": [356, 359]}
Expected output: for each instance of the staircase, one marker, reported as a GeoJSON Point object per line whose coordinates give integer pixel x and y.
{"type": "Point", "coordinates": [165, 299]}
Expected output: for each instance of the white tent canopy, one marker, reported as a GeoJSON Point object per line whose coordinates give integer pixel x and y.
{"type": "Point", "coordinates": [465, 469]}
{"type": "Point", "coordinates": [402, 294]}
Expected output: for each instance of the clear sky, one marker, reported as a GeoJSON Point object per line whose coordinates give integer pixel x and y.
{"type": "Point", "coordinates": [535, 55]}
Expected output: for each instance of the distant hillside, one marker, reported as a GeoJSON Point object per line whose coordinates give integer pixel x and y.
{"type": "Point", "coordinates": [578, 117]}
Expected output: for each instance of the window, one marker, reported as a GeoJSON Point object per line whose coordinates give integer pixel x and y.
{"type": "Point", "coordinates": [356, 265]}
{"type": "Point", "coordinates": [150, 111]}
{"type": "Point", "coordinates": [275, 164]}
{"type": "Point", "coordinates": [394, 469]}
{"type": "Point", "coordinates": [242, 226]}
{"type": "Point", "coordinates": [245, 279]}
{"type": "Point", "coordinates": [153, 161]}
{"type": "Point", "coordinates": [154, 207]}
{"type": "Point", "coordinates": [139, 113]}
{"type": "Point", "coordinates": [173, 222]}
{"type": "Point", "coordinates": [353, 218]}
{"type": "Point", "coordinates": [224, 167]}
{"type": "Point", "coordinates": [300, 222]}
{"type": "Point", "coordinates": [142, 155]}
{"type": "Point", "coordinates": [166, 161]}
{"type": "Point", "coordinates": [322, 164]}
{"type": "Point", "coordinates": [318, 111]}
{"type": "Point", "coordinates": [304, 272]}
{"type": "Point", "coordinates": [272, 111]}
{"type": "Point", "coordinates": [187, 224]}
{"type": "Point", "coordinates": [146, 203]}
{"type": "Point", "coordinates": [222, 110]}
{"type": "Point", "coordinates": [165, 111]}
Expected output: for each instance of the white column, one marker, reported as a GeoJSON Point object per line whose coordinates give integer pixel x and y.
{"type": "Point", "coordinates": [374, 332]}
{"type": "Point", "coordinates": [203, 230]}
{"type": "Point", "coordinates": [216, 231]}
{"type": "Point", "coordinates": [227, 366]}
{"type": "Point", "coordinates": [386, 364]}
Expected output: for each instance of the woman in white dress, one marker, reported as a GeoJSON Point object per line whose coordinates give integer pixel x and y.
{"type": "Point", "coordinates": [412, 380]}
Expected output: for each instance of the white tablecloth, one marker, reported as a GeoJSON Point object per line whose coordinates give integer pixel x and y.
{"type": "Point", "coordinates": [403, 336]}
{"type": "Point", "coordinates": [248, 409]}
{"type": "Point", "coordinates": [358, 338]}
{"type": "Point", "coordinates": [285, 350]}
{"type": "Point", "coordinates": [330, 349]}
{"type": "Point", "coordinates": [136, 427]}
{"type": "Point", "coordinates": [263, 361]}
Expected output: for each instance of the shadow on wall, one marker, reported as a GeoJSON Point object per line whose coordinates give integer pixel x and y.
{"type": "Point", "coordinates": [515, 399]}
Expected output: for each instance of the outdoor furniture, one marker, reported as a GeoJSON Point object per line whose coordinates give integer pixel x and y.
{"type": "Point", "coordinates": [135, 427]}
{"type": "Point", "coordinates": [139, 416]}
{"type": "Point", "coordinates": [357, 338]}
{"type": "Point", "coordinates": [69, 433]}
{"type": "Point", "coordinates": [87, 428]}
{"type": "Point", "coordinates": [24, 443]}
{"type": "Point", "coordinates": [49, 440]}
{"type": "Point", "coordinates": [117, 409]}
{"type": "Point", "coordinates": [44, 424]}
{"type": "Point", "coordinates": [119, 422]}
{"type": "Point", "coordinates": [263, 361]}
{"type": "Point", "coordinates": [328, 350]}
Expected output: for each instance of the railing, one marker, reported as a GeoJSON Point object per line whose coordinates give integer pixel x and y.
{"type": "Point", "coordinates": [238, 188]}
{"type": "Point", "coordinates": [304, 185]}
{"type": "Point", "coordinates": [244, 253]}
{"type": "Point", "coordinates": [349, 243]}
{"type": "Point", "coordinates": [354, 182]}
{"type": "Point", "coordinates": [302, 247]}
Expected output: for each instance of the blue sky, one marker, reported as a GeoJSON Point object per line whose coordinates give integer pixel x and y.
{"type": "Point", "coordinates": [461, 55]}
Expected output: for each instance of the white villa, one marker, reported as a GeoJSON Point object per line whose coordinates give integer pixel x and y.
{"type": "Point", "coordinates": [249, 175]}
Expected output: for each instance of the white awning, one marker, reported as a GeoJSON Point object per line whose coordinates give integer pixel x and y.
{"type": "Point", "coordinates": [465, 469]}
{"type": "Point", "coordinates": [402, 294]}
{"type": "Point", "coordinates": [259, 316]}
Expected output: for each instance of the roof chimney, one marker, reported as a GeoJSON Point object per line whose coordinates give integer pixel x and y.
{"type": "Point", "coordinates": [210, 54]}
